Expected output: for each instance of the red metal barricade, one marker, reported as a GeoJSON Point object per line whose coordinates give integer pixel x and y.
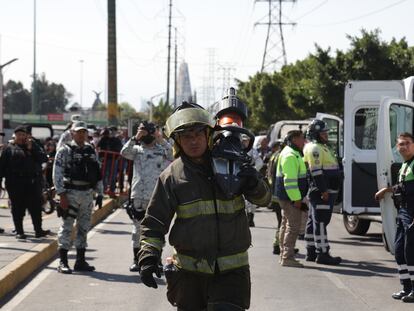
{"type": "Point", "coordinates": [116, 173]}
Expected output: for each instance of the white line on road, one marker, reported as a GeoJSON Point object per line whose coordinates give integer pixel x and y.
{"type": "Point", "coordinates": [38, 279]}
{"type": "Point", "coordinates": [341, 285]}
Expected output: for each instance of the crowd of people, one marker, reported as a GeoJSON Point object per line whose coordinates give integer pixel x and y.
{"type": "Point", "coordinates": [172, 180]}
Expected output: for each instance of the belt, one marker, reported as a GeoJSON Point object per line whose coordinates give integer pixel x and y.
{"type": "Point", "coordinates": [78, 187]}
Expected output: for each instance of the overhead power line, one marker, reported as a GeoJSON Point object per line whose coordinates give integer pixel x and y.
{"type": "Point", "coordinates": [274, 51]}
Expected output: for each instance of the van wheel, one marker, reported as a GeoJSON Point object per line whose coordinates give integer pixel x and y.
{"type": "Point", "coordinates": [356, 226]}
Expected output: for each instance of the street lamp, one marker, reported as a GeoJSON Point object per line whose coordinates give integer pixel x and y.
{"type": "Point", "coordinates": [151, 105]}
{"type": "Point", "coordinates": [1, 94]}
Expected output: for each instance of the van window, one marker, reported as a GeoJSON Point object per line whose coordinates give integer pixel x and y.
{"type": "Point", "coordinates": [401, 120]}
{"type": "Point", "coordinates": [333, 134]}
{"type": "Point", "coordinates": [365, 134]}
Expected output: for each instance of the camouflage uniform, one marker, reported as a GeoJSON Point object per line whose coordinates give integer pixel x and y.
{"type": "Point", "coordinates": [82, 200]}
{"type": "Point", "coordinates": [149, 162]}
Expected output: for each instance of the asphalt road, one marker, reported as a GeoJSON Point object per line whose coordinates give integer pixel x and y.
{"type": "Point", "coordinates": [364, 281]}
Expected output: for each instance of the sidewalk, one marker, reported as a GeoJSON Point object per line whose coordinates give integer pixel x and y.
{"type": "Point", "coordinates": [19, 259]}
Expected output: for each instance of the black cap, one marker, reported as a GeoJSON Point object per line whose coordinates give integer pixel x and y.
{"type": "Point", "coordinates": [21, 128]}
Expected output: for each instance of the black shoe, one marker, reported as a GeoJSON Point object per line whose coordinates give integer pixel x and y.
{"type": "Point", "coordinates": [21, 236]}
{"type": "Point", "coordinates": [83, 266]}
{"type": "Point", "coordinates": [276, 249]}
{"type": "Point", "coordinates": [1, 230]}
{"type": "Point", "coordinates": [310, 254]}
{"type": "Point", "coordinates": [64, 268]}
{"type": "Point", "coordinates": [41, 234]}
{"type": "Point", "coordinates": [400, 294]}
{"type": "Point", "coordinates": [327, 259]}
{"type": "Point", "coordinates": [408, 298]}
{"type": "Point", "coordinates": [134, 267]}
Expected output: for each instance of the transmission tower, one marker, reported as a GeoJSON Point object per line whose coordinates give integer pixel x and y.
{"type": "Point", "coordinates": [274, 52]}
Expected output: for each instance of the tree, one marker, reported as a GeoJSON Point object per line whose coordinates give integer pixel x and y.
{"type": "Point", "coordinates": [52, 97]}
{"type": "Point", "coordinates": [16, 98]}
{"type": "Point", "coordinates": [161, 112]}
{"type": "Point", "coordinates": [316, 83]}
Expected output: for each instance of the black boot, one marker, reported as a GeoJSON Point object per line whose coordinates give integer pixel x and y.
{"type": "Point", "coordinates": [63, 264]}
{"type": "Point", "coordinates": [134, 267]}
{"type": "Point", "coordinates": [409, 297]}
{"type": "Point", "coordinates": [81, 264]}
{"type": "Point", "coordinates": [327, 259]}
{"type": "Point", "coordinates": [406, 283]}
{"type": "Point", "coordinates": [310, 253]}
{"type": "Point", "coordinates": [276, 249]}
{"type": "Point", "coordinates": [250, 216]}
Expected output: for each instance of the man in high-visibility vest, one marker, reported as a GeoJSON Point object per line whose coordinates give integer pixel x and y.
{"type": "Point", "coordinates": [291, 188]}
{"type": "Point", "coordinates": [325, 182]}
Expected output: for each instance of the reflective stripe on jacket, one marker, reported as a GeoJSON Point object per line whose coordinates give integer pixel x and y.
{"type": "Point", "coordinates": [291, 182]}
{"type": "Point", "coordinates": [323, 167]}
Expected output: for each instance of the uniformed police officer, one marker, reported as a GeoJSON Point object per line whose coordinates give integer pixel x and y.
{"type": "Point", "coordinates": [151, 155]}
{"type": "Point", "coordinates": [325, 181]}
{"type": "Point", "coordinates": [210, 233]}
{"type": "Point", "coordinates": [76, 175]}
{"type": "Point", "coordinates": [20, 164]}
{"type": "Point", "coordinates": [291, 189]}
{"type": "Point", "coordinates": [403, 194]}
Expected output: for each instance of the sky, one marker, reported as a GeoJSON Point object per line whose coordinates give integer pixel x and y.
{"type": "Point", "coordinates": [217, 38]}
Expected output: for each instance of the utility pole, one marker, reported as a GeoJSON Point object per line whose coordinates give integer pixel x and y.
{"type": "Point", "coordinates": [175, 70]}
{"type": "Point", "coordinates": [34, 86]}
{"type": "Point", "coordinates": [1, 95]}
{"type": "Point", "coordinates": [169, 54]}
{"type": "Point", "coordinates": [274, 51]}
{"type": "Point", "coordinates": [112, 67]}
{"type": "Point", "coordinates": [81, 84]}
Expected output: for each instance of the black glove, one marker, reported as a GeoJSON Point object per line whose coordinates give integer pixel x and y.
{"type": "Point", "coordinates": [148, 267]}
{"type": "Point", "coordinates": [98, 201]}
{"type": "Point", "coordinates": [249, 175]}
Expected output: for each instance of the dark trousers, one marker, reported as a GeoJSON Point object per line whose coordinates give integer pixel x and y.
{"type": "Point", "coordinates": [320, 214]}
{"type": "Point", "coordinates": [191, 291]}
{"type": "Point", "coordinates": [24, 196]}
{"type": "Point", "coordinates": [404, 244]}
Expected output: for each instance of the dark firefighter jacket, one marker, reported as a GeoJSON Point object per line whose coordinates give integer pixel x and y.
{"type": "Point", "coordinates": [210, 232]}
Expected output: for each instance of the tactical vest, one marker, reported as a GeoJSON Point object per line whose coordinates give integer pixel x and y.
{"type": "Point", "coordinates": [406, 178]}
{"type": "Point", "coordinates": [83, 166]}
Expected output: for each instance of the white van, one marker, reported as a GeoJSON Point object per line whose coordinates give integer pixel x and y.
{"type": "Point", "coordinates": [375, 112]}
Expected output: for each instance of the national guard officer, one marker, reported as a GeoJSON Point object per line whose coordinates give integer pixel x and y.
{"type": "Point", "coordinates": [151, 155]}
{"type": "Point", "coordinates": [325, 182]}
{"type": "Point", "coordinates": [291, 189]}
{"type": "Point", "coordinates": [76, 174]}
{"type": "Point", "coordinates": [20, 164]}
{"type": "Point", "coordinates": [403, 194]}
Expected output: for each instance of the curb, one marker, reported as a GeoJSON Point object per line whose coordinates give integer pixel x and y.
{"type": "Point", "coordinates": [21, 268]}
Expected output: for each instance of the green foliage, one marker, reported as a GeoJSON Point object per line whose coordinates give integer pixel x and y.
{"type": "Point", "coordinates": [161, 112]}
{"type": "Point", "coordinates": [316, 83]}
{"type": "Point", "coordinates": [52, 97]}
{"type": "Point", "coordinates": [16, 98]}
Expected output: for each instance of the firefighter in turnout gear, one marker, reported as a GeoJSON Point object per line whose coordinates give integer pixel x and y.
{"type": "Point", "coordinates": [151, 156]}
{"type": "Point", "coordinates": [325, 182]}
{"type": "Point", "coordinates": [403, 194]}
{"type": "Point", "coordinates": [291, 188]}
{"type": "Point", "coordinates": [210, 233]}
{"type": "Point", "coordinates": [76, 175]}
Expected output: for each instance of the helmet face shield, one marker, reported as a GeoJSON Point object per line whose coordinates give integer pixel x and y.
{"type": "Point", "coordinates": [186, 118]}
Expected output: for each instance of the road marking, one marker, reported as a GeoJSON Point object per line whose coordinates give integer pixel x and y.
{"type": "Point", "coordinates": [341, 285]}
{"type": "Point", "coordinates": [41, 276]}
